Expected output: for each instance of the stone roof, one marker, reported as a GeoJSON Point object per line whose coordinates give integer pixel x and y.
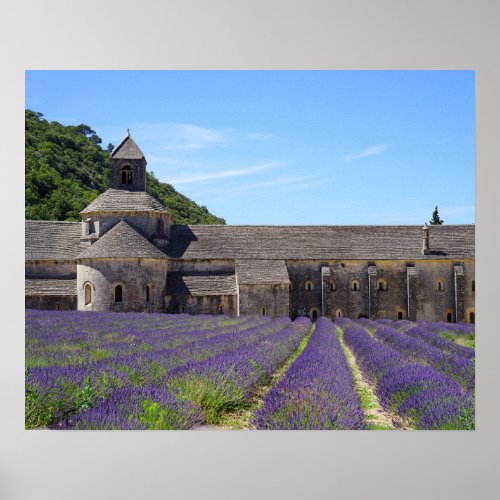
{"type": "Point", "coordinates": [51, 240]}
{"type": "Point", "coordinates": [127, 150]}
{"type": "Point", "coordinates": [122, 241]}
{"type": "Point", "coordinates": [201, 283]}
{"type": "Point", "coordinates": [320, 242]}
{"type": "Point", "coordinates": [252, 271]}
{"type": "Point", "coordinates": [120, 200]}
{"type": "Point", "coordinates": [49, 287]}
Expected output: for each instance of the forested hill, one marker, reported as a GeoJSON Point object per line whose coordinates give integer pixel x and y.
{"type": "Point", "coordinates": [66, 168]}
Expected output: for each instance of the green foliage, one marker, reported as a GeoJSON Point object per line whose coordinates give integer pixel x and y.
{"type": "Point", "coordinates": [436, 220]}
{"type": "Point", "coordinates": [66, 169]}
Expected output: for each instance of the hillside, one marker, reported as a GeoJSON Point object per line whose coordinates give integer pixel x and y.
{"type": "Point", "coordinates": [66, 168]}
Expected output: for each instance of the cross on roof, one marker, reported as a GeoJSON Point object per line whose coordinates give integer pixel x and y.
{"type": "Point", "coordinates": [128, 132]}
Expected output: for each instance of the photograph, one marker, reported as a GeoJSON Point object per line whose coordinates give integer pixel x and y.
{"type": "Point", "coordinates": [216, 250]}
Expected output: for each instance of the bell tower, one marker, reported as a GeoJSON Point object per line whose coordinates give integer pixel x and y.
{"type": "Point", "coordinates": [127, 166]}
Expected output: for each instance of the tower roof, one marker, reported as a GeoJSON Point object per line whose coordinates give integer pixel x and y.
{"type": "Point", "coordinates": [127, 150]}
{"type": "Point", "coordinates": [122, 241]}
{"type": "Point", "coordinates": [117, 200]}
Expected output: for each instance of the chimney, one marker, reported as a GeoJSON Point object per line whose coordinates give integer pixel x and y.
{"type": "Point", "coordinates": [425, 240]}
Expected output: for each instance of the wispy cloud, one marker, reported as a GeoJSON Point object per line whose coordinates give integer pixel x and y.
{"type": "Point", "coordinates": [374, 150]}
{"type": "Point", "coordinates": [279, 182]}
{"type": "Point", "coordinates": [235, 172]}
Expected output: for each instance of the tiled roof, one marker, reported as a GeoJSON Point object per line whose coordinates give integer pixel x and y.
{"type": "Point", "coordinates": [119, 200]}
{"type": "Point", "coordinates": [51, 240]}
{"type": "Point", "coordinates": [200, 284]}
{"type": "Point", "coordinates": [49, 287]}
{"type": "Point", "coordinates": [252, 271]}
{"type": "Point", "coordinates": [127, 149]}
{"type": "Point", "coordinates": [122, 241]}
{"type": "Point", "coordinates": [320, 242]}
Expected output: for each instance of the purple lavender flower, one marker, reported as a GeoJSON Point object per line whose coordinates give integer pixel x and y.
{"type": "Point", "coordinates": [317, 391]}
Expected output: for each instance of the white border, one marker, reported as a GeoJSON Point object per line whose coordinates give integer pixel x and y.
{"type": "Point", "coordinates": [257, 34]}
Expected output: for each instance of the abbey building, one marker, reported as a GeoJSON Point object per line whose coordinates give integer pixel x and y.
{"type": "Point", "coordinates": [128, 254]}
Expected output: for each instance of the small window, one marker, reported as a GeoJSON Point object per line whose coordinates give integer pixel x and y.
{"type": "Point", "coordinates": [221, 309]}
{"type": "Point", "coordinates": [118, 293]}
{"type": "Point", "coordinates": [263, 311]}
{"type": "Point", "coordinates": [448, 317]}
{"type": "Point", "coordinates": [182, 309]}
{"type": "Point", "coordinates": [381, 285]}
{"type": "Point", "coordinates": [338, 313]}
{"type": "Point", "coordinates": [472, 317]}
{"type": "Point", "coordinates": [333, 286]}
{"type": "Point", "coordinates": [440, 286]}
{"type": "Point", "coordinates": [400, 315]}
{"type": "Point", "coordinates": [473, 287]}
{"type": "Point", "coordinates": [313, 314]}
{"type": "Point", "coordinates": [88, 294]}
{"type": "Point", "coordinates": [127, 175]}
{"type": "Point", "coordinates": [355, 285]}
{"type": "Point", "coordinates": [149, 293]}
{"type": "Point", "coordinates": [309, 286]}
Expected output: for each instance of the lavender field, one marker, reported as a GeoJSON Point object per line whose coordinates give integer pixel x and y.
{"type": "Point", "coordinates": [89, 370]}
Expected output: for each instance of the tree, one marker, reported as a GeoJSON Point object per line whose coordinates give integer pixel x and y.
{"type": "Point", "coordinates": [436, 220]}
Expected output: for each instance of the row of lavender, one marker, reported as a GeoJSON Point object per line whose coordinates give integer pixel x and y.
{"type": "Point", "coordinates": [136, 374]}
{"type": "Point", "coordinates": [425, 379]}
{"type": "Point", "coordinates": [199, 391]}
{"type": "Point", "coordinates": [317, 392]}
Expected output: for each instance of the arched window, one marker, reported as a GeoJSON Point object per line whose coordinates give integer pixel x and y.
{"type": "Point", "coordinates": [263, 311]}
{"type": "Point", "coordinates": [127, 174]}
{"type": "Point", "coordinates": [313, 314]}
{"type": "Point", "coordinates": [338, 313]}
{"type": "Point", "coordinates": [400, 315]}
{"type": "Point", "coordinates": [182, 309]}
{"type": "Point", "coordinates": [149, 293]}
{"type": "Point", "coordinates": [309, 286]}
{"type": "Point", "coordinates": [221, 309]}
{"type": "Point", "coordinates": [440, 286]}
{"type": "Point", "coordinates": [448, 317]}
{"type": "Point", "coordinates": [473, 287]}
{"type": "Point", "coordinates": [472, 317]}
{"type": "Point", "coordinates": [333, 286]}
{"type": "Point", "coordinates": [118, 293]}
{"type": "Point", "coordinates": [88, 294]}
{"type": "Point", "coordinates": [381, 285]}
{"type": "Point", "coordinates": [355, 285]}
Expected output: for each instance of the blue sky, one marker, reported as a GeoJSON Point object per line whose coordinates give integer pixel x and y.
{"type": "Point", "coordinates": [287, 147]}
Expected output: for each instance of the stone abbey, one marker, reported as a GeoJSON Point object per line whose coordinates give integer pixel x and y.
{"type": "Point", "coordinates": [127, 254]}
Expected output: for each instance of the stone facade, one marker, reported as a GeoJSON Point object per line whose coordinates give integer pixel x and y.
{"type": "Point", "coordinates": [126, 255]}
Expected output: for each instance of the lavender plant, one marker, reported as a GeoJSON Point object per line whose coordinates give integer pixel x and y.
{"type": "Point", "coordinates": [460, 369]}
{"type": "Point", "coordinates": [224, 383]}
{"type": "Point", "coordinates": [317, 391]}
{"type": "Point", "coordinates": [417, 393]}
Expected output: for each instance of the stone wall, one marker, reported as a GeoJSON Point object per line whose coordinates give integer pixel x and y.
{"type": "Point", "coordinates": [211, 304]}
{"type": "Point", "coordinates": [63, 302]}
{"type": "Point", "coordinates": [132, 274]}
{"type": "Point", "coordinates": [138, 174]}
{"type": "Point", "coordinates": [150, 225]}
{"type": "Point", "coordinates": [50, 269]}
{"type": "Point", "coordinates": [418, 280]}
{"type": "Point", "coordinates": [274, 299]}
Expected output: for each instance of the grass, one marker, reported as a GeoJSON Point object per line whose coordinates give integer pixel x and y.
{"type": "Point", "coordinates": [240, 418]}
{"type": "Point", "coordinates": [376, 417]}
